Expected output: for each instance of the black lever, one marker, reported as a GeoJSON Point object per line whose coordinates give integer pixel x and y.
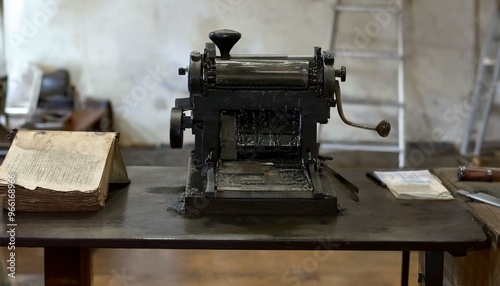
{"type": "Point", "coordinates": [383, 128]}
{"type": "Point", "coordinates": [224, 40]}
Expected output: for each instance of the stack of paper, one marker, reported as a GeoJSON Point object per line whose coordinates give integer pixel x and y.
{"type": "Point", "coordinates": [414, 185]}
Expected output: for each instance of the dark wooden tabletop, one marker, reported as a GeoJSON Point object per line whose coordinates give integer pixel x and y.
{"type": "Point", "coordinates": [486, 214]}
{"type": "Point", "coordinates": [139, 216]}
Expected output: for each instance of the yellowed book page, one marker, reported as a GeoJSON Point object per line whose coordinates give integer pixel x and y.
{"type": "Point", "coordinates": [58, 160]}
{"type": "Point", "coordinates": [118, 170]}
{"type": "Point", "coordinates": [414, 184]}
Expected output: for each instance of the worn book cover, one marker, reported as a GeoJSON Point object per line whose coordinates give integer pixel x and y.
{"type": "Point", "coordinates": [48, 171]}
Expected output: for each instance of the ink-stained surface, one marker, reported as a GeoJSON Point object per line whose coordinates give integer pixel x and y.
{"type": "Point", "coordinates": [139, 216]}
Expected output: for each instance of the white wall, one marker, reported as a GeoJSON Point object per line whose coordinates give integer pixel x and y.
{"type": "Point", "coordinates": [129, 52]}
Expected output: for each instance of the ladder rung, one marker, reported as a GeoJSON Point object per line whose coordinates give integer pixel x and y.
{"type": "Point", "coordinates": [384, 103]}
{"type": "Point", "coordinates": [367, 8]}
{"type": "Point", "coordinates": [367, 54]}
{"type": "Point", "coordinates": [488, 61]}
{"type": "Point", "coordinates": [361, 147]}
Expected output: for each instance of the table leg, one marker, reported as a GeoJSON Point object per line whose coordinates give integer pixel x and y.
{"type": "Point", "coordinates": [431, 268]}
{"type": "Point", "coordinates": [68, 266]}
{"type": "Point", "coordinates": [405, 267]}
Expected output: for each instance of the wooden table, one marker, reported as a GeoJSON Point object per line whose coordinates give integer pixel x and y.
{"type": "Point", "coordinates": [483, 267]}
{"type": "Point", "coordinates": [139, 216]}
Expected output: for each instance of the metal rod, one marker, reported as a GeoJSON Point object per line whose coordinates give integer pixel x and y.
{"type": "Point", "coordinates": [486, 113]}
{"type": "Point", "coordinates": [386, 103]}
{"type": "Point", "coordinates": [361, 147]}
{"type": "Point", "coordinates": [3, 41]}
{"type": "Point", "coordinates": [478, 83]}
{"type": "Point", "coordinates": [365, 8]}
{"type": "Point", "coordinates": [334, 29]}
{"type": "Point", "coordinates": [401, 91]}
{"type": "Point", "coordinates": [367, 54]}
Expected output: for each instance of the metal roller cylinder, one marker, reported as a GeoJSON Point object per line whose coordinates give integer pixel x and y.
{"type": "Point", "coordinates": [176, 130]}
{"type": "Point", "coordinates": [262, 73]}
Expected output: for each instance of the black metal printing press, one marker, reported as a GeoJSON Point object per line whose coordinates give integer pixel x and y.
{"type": "Point", "coordinates": [255, 119]}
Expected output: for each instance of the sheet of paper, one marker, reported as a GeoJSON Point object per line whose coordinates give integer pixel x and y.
{"type": "Point", "coordinates": [418, 184]}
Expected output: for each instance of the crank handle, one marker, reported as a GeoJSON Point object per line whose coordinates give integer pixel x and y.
{"type": "Point", "coordinates": [383, 128]}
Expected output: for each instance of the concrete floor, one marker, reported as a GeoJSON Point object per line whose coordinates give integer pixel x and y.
{"type": "Point", "coordinates": [231, 267]}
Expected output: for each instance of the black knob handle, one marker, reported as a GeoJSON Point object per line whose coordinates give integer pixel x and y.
{"type": "Point", "coordinates": [224, 40]}
{"type": "Point", "coordinates": [342, 73]}
{"type": "Point", "coordinates": [383, 128]}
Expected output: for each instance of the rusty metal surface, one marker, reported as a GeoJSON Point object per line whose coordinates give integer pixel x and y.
{"type": "Point", "coordinates": [138, 216]}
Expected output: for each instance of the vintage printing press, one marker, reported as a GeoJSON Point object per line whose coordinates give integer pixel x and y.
{"type": "Point", "coordinates": [255, 119]}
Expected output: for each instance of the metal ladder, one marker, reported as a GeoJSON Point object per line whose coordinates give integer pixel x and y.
{"type": "Point", "coordinates": [485, 88]}
{"type": "Point", "coordinates": [397, 55]}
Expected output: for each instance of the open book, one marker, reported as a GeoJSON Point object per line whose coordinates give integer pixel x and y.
{"type": "Point", "coordinates": [48, 171]}
{"type": "Point", "coordinates": [414, 185]}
